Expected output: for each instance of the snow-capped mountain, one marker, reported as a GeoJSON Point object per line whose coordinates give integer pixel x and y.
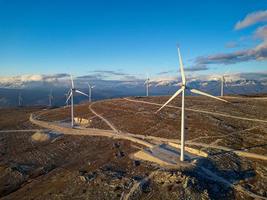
{"type": "Point", "coordinates": [35, 88]}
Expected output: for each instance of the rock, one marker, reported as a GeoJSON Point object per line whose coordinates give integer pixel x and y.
{"type": "Point", "coordinates": [120, 154]}
{"type": "Point", "coordinates": [87, 177]}
{"type": "Point", "coordinates": [116, 145]}
{"type": "Point", "coordinates": [112, 172]}
{"type": "Point", "coordinates": [262, 192]}
{"type": "Point", "coordinates": [91, 176]}
{"type": "Point", "coordinates": [136, 163]}
{"type": "Point", "coordinates": [21, 168]}
{"type": "Point", "coordinates": [82, 178]}
{"type": "Point", "coordinates": [137, 178]}
{"type": "Point", "coordinates": [82, 172]}
{"type": "Point", "coordinates": [40, 137]}
{"type": "Point", "coordinates": [81, 121]}
{"type": "Point", "coordinates": [145, 187]}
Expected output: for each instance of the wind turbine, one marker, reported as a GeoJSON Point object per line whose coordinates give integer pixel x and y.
{"type": "Point", "coordinates": [147, 85]}
{"type": "Point", "coordinates": [71, 96]}
{"type": "Point", "coordinates": [20, 99]}
{"type": "Point", "coordinates": [50, 98]}
{"type": "Point", "coordinates": [90, 87]}
{"type": "Point", "coordinates": [223, 82]}
{"type": "Point", "coordinates": [182, 90]}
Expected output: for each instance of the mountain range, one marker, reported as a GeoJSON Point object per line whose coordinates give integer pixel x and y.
{"type": "Point", "coordinates": [34, 89]}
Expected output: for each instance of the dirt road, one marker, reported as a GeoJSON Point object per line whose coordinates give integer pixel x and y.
{"type": "Point", "coordinates": [141, 139]}
{"type": "Point", "coordinates": [200, 111]}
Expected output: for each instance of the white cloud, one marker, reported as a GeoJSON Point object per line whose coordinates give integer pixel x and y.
{"type": "Point", "coordinates": [35, 80]}
{"type": "Point", "coordinates": [258, 52]}
{"type": "Point", "coordinates": [261, 32]}
{"type": "Point", "coordinates": [251, 19]}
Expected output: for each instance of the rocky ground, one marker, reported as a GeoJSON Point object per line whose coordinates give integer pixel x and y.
{"type": "Point", "coordinates": [84, 167]}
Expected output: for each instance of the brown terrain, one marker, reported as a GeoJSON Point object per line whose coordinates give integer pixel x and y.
{"type": "Point", "coordinates": [43, 158]}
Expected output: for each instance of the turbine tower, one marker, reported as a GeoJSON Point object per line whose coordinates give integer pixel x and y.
{"type": "Point", "coordinates": [50, 98]}
{"type": "Point", "coordinates": [20, 99]}
{"type": "Point", "coordinates": [182, 90]}
{"type": "Point", "coordinates": [72, 91]}
{"type": "Point", "coordinates": [147, 85]}
{"type": "Point", "coordinates": [90, 87]}
{"type": "Point", "coordinates": [222, 85]}
{"type": "Point", "coordinates": [223, 82]}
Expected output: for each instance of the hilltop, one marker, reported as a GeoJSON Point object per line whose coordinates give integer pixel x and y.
{"type": "Point", "coordinates": [97, 158]}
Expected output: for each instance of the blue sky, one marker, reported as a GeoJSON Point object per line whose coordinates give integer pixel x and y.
{"type": "Point", "coordinates": [135, 37]}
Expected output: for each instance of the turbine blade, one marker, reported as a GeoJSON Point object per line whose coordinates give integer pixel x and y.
{"type": "Point", "coordinates": [72, 83]}
{"type": "Point", "coordinates": [68, 92]}
{"type": "Point", "coordinates": [69, 97]}
{"type": "Point", "coordinates": [226, 72]}
{"type": "Point", "coordinates": [225, 82]}
{"type": "Point", "coordinates": [181, 66]}
{"type": "Point", "coordinates": [173, 96]}
{"type": "Point", "coordinates": [206, 94]}
{"type": "Point", "coordinates": [78, 91]}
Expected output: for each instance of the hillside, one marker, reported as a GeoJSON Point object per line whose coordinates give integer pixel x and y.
{"type": "Point", "coordinates": [98, 159]}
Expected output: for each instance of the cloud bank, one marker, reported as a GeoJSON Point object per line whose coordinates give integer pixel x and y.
{"type": "Point", "coordinates": [257, 53]}
{"type": "Point", "coordinates": [35, 80]}
{"type": "Point", "coordinates": [63, 80]}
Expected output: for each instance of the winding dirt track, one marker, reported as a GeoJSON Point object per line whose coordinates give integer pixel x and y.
{"type": "Point", "coordinates": [102, 118]}
{"type": "Point", "coordinates": [140, 139]}
{"type": "Point", "coordinates": [87, 131]}
{"type": "Point", "coordinates": [238, 152]}
{"type": "Point", "coordinates": [209, 174]}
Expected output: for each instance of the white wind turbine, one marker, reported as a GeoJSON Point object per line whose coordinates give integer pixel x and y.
{"type": "Point", "coordinates": [222, 85]}
{"type": "Point", "coordinates": [20, 99]}
{"type": "Point", "coordinates": [223, 82]}
{"type": "Point", "coordinates": [50, 98]}
{"type": "Point", "coordinates": [90, 87]}
{"type": "Point", "coordinates": [71, 95]}
{"type": "Point", "coordinates": [182, 90]}
{"type": "Point", "coordinates": [147, 85]}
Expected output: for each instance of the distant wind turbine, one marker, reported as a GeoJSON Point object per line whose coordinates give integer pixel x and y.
{"type": "Point", "coordinates": [90, 87]}
{"type": "Point", "coordinates": [182, 90]}
{"type": "Point", "coordinates": [50, 98]}
{"type": "Point", "coordinates": [71, 96]}
{"type": "Point", "coordinates": [147, 85]}
{"type": "Point", "coordinates": [223, 83]}
{"type": "Point", "coordinates": [20, 99]}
